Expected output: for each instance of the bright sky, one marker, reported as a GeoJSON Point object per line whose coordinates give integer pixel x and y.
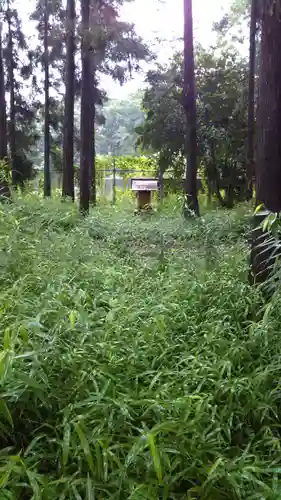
{"type": "Point", "coordinates": [154, 20]}
{"type": "Point", "coordinates": [164, 19]}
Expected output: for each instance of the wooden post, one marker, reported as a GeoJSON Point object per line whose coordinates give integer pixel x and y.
{"type": "Point", "coordinates": [144, 199]}
{"type": "Point", "coordinates": [161, 185]}
{"type": "Point", "coordinates": [114, 183]}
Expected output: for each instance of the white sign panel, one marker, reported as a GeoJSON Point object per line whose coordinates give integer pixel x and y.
{"type": "Point", "coordinates": [144, 185]}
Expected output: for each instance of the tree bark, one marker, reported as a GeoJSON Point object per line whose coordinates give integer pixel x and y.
{"type": "Point", "coordinates": [189, 102]}
{"type": "Point", "coordinates": [3, 119]}
{"type": "Point", "coordinates": [4, 188]}
{"type": "Point", "coordinates": [251, 101]}
{"type": "Point", "coordinates": [86, 153]}
{"type": "Point", "coordinates": [92, 22]}
{"type": "Point", "coordinates": [268, 168]}
{"type": "Point", "coordinates": [268, 164]}
{"type": "Point", "coordinates": [68, 138]}
{"type": "Point", "coordinates": [93, 161]}
{"type": "Point", "coordinates": [47, 174]}
{"type": "Point", "coordinates": [12, 125]}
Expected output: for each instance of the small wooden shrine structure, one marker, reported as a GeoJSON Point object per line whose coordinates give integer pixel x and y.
{"type": "Point", "coordinates": [144, 188]}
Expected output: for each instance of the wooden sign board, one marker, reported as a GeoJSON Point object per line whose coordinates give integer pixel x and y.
{"type": "Point", "coordinates": [143, 184]}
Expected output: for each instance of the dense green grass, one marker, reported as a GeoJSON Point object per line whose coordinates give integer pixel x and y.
{"type": "Point", "coordinates": [136, 361]}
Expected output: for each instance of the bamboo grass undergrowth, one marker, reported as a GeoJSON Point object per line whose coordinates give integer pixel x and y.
{"type": "Point", "coordinates": [136, 361]}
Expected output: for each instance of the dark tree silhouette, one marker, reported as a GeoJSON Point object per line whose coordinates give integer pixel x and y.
{"type": "Point", "coordinates": [189, 103]}
{"type": "Point", "coordinates": [68, 138]}
{"type": "Point", "coordinates": [47, 174]}
{"type": "Point", "coordinates": [4, 188]}
{"type": "Point", "coordinates": [268, 161]}
{"type": "Point", "coordinates": [251, 100]}
{"type": "Point", "coordinates": [12, 124]}
{"type": "Point", "coordinates": [268, 168]}
{"type": "Point", "coordinates": [3, 120]}
{"type": "Point", "coordinates": [87, 118]}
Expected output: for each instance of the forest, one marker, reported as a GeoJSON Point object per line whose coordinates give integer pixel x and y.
{"type": "Point", "coordinates": [140, 351]}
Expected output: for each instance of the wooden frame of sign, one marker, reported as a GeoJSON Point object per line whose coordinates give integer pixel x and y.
{"type": "Point", "coordinates": [144, 187]}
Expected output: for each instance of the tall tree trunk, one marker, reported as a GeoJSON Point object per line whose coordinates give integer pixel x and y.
{"type": "Point", "coordinates": [3, 119]}
{"type": "Point", "coordinates": [12, 128]}
{"type": "Point", "coordinates": [189, 102]}
{"type": "Point", "coordinates": [268, 168]}
{"type": "Point", "coordinates": [86, 110]}
{"type": "Point", "coordinates": [47, 174]}
{"type": "Point", "coordinates": [93, 161]}
{"type": "Point", "coordinates": [251, 101]}
{"type": "Point", "coordinates": [68, 138]}
{"type": "Point", "coordinates": [93, 191]}
{"type": "Point", "coordinates": [268, 164]}
{"type": "Point", "coordinates": [4, 188]}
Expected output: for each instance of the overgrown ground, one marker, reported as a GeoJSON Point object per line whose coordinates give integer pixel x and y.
{"type": "Point", "coordinates": [136, 361]}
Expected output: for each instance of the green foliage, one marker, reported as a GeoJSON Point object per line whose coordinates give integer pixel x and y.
{"type": "Point", "coordinates": [267, 248]}
{"type": "Point", "coordinates": [117, 134]}
{"type": "Point", "coordinates": [233, 21]}
{"type": "Point", "coordinates": [118, 48]}
{"type": "Point", "coordinates": [57, 158]}
{"type": "Point", "coordinates": [126, 166]}
{"type": "Point", "coordinates": [5, 172]}
{"type": "Point", "coordinates": [26, 105]}
{"type": "Point", "coordinates": [221, 77]}
{"type": "Point", "coordinates": [136, 362]}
